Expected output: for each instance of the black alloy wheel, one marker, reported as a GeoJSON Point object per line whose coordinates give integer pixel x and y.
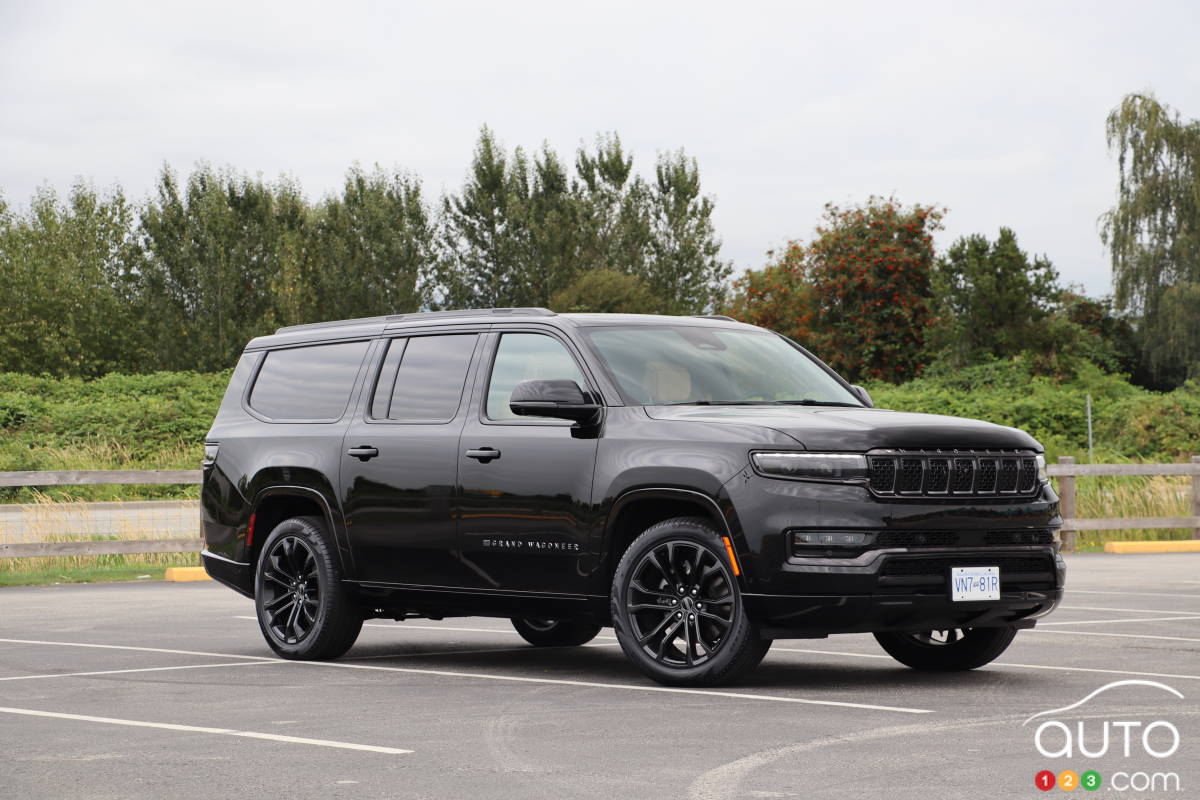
{"type": "Point", "coordinates": [947, 648]}
{"type": "Point", "coordinates": [291, 589]}
{"type": "Point", "coordinates": [680, 603]}
{"type": "Point", "coordinates": [677, 609]}
{"type": "Point", "coordinates": [304, 611]}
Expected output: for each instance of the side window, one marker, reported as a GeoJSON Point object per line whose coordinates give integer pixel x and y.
{"type": "Point", "coordinates": [422, 378]}
{"type": "Point", "coordinates": [307, 383]}
{"type": "Point", "coordinates": [524, 357]}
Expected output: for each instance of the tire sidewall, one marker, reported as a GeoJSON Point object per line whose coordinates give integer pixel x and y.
{"type": "Point", "coordinates": [696, 532]}
{"type": "Point", "coordinates": [327, 577]}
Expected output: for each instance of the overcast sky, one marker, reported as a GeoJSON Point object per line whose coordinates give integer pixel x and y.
{"type": "Point", "coordinates": [993, 110]}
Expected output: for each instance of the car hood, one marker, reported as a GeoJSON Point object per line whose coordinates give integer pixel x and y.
{"type": "Point", "coordinates": [856, 429]}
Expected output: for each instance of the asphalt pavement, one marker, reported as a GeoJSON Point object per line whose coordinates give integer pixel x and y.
{"type": "Point", "coordinates": [157, 690]}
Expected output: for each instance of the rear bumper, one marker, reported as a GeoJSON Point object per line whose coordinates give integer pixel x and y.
{"type": "Point", "coordinates": [237, 575]}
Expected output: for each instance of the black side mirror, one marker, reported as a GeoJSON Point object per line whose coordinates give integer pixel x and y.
{"type": "Point", "coordinates": [561, 399]}
{"type": "Point", "coordinates": [863, 395]}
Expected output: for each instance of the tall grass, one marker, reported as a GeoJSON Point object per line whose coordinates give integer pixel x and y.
{"type": "Point", "coordinates": [1132, 496]}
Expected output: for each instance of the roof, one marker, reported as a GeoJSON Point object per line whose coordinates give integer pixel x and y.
{"type": "Point", "coordinates": [374, 326]}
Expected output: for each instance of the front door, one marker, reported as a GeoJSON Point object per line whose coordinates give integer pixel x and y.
{"type": "Point", "coordinates": [525, 483]}
{"type": "Point", "coordinates": [400, 462]}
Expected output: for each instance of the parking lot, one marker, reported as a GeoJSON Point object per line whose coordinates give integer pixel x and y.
{"type": "Point", "coordinates": [157, 690]}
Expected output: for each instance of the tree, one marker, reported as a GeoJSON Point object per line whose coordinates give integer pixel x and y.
{"type": "Point", "coordinates": [368, 252]}
{"type": "Point", "coordinates": [64, 276]}
{"type": "Point", "coordinates": [779, 296]}
{"type": "Point", "coordinates": [1153, 232]}
{"type": "Point", "coordinates": [215, 251]}
{"type": "Point", "coordinates": [990, 298]}
{"type": "Point", "coordinates": [606, 291]}
{"type": "Point", "coordinates": [869, 270]}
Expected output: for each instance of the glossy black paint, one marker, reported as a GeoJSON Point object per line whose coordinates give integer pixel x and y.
{"type": "Point", "coordinates": [436, 525]}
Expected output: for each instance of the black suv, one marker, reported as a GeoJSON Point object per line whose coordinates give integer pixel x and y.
{"type": "Point", "coordinates": [700, 485]}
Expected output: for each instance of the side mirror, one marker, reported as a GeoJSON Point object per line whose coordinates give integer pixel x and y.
{"type": "Point", "coordinates": [561, 399]}
{"type": "Point", "coordinates": [863, 395]}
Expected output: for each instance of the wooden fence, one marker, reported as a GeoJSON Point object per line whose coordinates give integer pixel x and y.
{"type": "Point", "coordinates": [103, 547]}
{"type": "Point", "coordinates": [1066, 471]}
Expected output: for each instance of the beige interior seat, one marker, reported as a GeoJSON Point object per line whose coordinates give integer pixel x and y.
{"type": "Point", "coordinates": [667, 382]}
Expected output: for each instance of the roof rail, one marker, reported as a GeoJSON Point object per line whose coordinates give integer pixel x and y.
{"type": "Point", "coordinates": [475, 312]}
{"type": "Point", "coordinates": [336, 323]}
{"type": "Point", "coordinates": [714, 316]}
{"type": "Point", "coordinates": [463, 312]}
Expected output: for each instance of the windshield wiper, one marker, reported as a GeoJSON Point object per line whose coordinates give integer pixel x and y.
{"type": "Point", "coordinates": [811, 402]}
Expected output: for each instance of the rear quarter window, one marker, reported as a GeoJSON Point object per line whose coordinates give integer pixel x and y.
{"type": "Point", "coordinates": [310, 384]}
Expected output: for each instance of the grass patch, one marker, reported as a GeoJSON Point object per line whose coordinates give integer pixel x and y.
{"type": "Point", "coordinates": [92, 574]}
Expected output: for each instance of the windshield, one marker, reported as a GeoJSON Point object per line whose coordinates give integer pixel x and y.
{"type": "Point", "coordinates": [683, 364]}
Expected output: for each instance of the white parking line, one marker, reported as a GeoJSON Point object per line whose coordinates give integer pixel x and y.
{"type": "Point", "coordinates": [1116, 635]}
{"type": "Point", "coordinates": [510, 678]}
{"type": "Point", "coordinates": [1114, 621]}
{"type": "Point", "coordinates": [1125, 610]}
{"type": "Point", "coordinates": [271, 737]}
{"type": "Point", "coordinates": [142, 669]}
{"type": "Point", "coordinates": [998, 663]}
{"type": "Point", "coordinates": [1073, 590]}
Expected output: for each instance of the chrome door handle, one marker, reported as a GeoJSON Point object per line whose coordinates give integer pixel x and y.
{"type": "Point", "coordinates": [483, 454]}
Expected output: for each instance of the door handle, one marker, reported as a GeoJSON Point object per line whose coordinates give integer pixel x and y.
{"type": "Point", "coordinates": [483, 454]}
{"type": "Point", "coordinates": [363, 452]}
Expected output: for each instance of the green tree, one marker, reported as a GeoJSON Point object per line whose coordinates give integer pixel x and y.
{"type": "Point", "coordinates": [368, 251]}
{"type": "Point", "coordinates": [64, 276]}
{"type": "Point", "coordinates": [216, 248]}
{"type": "Point", "coordinates": [1153, 232]}
{"type": "Point", "coordinates": [606, 291]}
{"type": "Point", "coordinates": [779, 296]}
{"type": "Point", "coordinates": [991, 298]}
{"type": "Point", "coordinates": [869, 268]}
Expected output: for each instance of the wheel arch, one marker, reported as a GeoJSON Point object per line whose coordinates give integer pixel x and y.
{"type": "Point", "coordinates": [273, 504]}
{"type": "Point", "coordinates": [638, 509]}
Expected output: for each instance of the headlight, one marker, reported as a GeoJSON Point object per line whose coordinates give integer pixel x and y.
{"type": "Point", "coordinates": [1041, 468]}
{"type": "Point", "coordinates": [832, 467]}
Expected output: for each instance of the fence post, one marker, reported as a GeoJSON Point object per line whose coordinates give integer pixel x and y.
{"type": "Point", "coordinates": [1066, 500]}
{"type": "Point", "coordinates": [1196, 497]}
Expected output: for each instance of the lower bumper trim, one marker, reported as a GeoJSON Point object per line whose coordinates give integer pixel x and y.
{"type": "Point", "coordinates": [236, 575]}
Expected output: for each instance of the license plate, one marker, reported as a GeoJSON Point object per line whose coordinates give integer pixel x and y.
{"type": "Point", "coordinates": [974, 583]}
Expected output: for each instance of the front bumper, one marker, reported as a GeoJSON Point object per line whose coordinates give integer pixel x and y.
{"type": "Point", "coordinates": [907, 590]}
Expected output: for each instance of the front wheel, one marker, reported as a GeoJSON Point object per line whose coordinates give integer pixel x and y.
{"type": "Point", "coordinates": [554, 632]}
{"type": "Point", "coordinates": [951, 649]}
{"type": "Point", "coordinates": [677, 610]}
{"type": "Point", "coordinates": [303, 610]}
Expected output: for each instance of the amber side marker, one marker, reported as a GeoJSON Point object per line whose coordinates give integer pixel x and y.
{"type": "Point", "coordinates": [737, 570]}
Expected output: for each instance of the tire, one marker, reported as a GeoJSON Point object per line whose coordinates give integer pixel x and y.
{"type": "Point", "coordinates": [674, 568]}
{"type": "Point", "coordinates": [956, 649]}
{"type": "Point", "coordinates": [302, 608]}
{"type": "Point", "coordinates": [554, 632]}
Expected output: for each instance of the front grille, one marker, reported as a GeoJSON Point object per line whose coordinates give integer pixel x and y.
{"type": "Point", "coordinates": [962, 538]}
{"type": "Point", "coordinates": [943, 473]}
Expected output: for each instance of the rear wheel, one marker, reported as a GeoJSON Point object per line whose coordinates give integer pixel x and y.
{"type": "Point", "coordinates": [950, 649]}
{"type": "Point", "coordinates": [677, 610]}
{"type": "Point", "coordinates": [303, 610]}
{"type": "Point", "coordinates": [554, 632]}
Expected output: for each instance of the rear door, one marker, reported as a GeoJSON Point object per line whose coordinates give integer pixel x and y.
{"type": "Point", "coordinates": [400, 460]}
{"type": "Point", "coordinates": [525, 482]}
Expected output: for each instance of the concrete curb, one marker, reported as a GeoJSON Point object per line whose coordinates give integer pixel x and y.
{"type": "Point", "coordinates": [186, 574]}
{"type": "Point", "coordinates": [1162, 546]}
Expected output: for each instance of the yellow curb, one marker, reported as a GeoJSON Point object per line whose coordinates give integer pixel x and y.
{"type": "Point", "coordinates": [1161, 546]}
{"type": "Point", "coordinates": [184, 574]}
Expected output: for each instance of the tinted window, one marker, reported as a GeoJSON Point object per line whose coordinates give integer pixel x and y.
{"type": "Point", "coordinates": [308, 383]}
{"type": "Point", "coordinates": [525, 357]}
{"type": "Point", "coordinates": [428, 384]}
